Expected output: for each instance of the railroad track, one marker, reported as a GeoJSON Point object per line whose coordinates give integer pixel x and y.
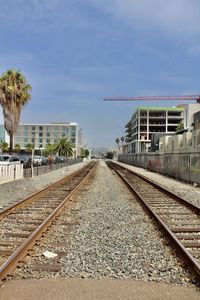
{"type": "Point", "coordinates": [178, 219]}
{"type": "Point", "coordinates": [23, 223]}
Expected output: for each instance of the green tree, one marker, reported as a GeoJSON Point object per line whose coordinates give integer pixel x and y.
{"type": "Point", "coordinates": [17, 148]}
{"type": "Point", "coordinates": [65, 147]}
{"type": "Point", "coordinates": [4, 147]}
{"type": "Point", "coordinates": [110, 155]}
{"type": "Point", "coordinates": [49, 149]}
{"type": "Point", "coordinates": [87, 152]}
{"type": "Point", "coordinates": [117, 141]}
{"type": "Point", "coordinates": [14, 94]}
{"type": "Point", "coordinates": [84, 152]}
{"type": "Point", "coordinates": [122, 139]}
{"type": "Point", "coordinates": [180, 126]}
{"type": "Point", "coordinates": [29, 147]}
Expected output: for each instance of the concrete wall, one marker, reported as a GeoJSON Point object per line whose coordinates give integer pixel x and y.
{"type": "Point", "coordinates": [184, 166]}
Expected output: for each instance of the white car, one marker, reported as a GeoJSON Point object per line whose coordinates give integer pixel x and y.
{"type": "Point", "coordinates": [9, 158]}
{"type": "Point", "coordinates": [37, 160]}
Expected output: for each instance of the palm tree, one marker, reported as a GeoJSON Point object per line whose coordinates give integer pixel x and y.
{"type": "Point", "coordinates": [50, 149]}
{"type": "Point", "coordinates": [122, 139]}
{"type": "Point", "coordinates": [14, 93]}
{"type": "Point", "coordinates": [65, 147]}
{"type": "Point", "coordinates": [29, 147]}
{"type": "Point", "coordinates": [117, 141]}
{"type": "Point", "coordinates": [4, 147]}
{"type": "Point", "coordinates": [17, 148]}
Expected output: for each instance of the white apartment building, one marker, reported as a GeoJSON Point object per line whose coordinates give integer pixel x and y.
{"type": "Point", "coordinates": [42, 134]}
{"type": "Point", "coordinates": [148, 120]}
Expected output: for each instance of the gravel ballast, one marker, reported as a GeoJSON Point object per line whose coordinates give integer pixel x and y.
{"type": "Point", "coordinates": [22, 188]}
{"type": "Point", "coordinates": [106, 234]}
{"type": "Point", "coordinates": [189, 192]}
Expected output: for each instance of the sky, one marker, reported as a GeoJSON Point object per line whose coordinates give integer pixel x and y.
{"type": "Point", "coordinates": [76, 52]}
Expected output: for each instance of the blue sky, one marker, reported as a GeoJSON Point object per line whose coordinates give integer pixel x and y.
{"type": "Point", "coordinates": [75, 52]}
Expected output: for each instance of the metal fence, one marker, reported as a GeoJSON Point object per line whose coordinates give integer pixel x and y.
{"type": "Point", "coordinates": [184, 166]}
{"type": "Point", "coordinates": [38, 170]}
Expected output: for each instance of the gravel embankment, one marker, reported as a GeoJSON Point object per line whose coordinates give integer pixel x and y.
{"type": "Point", "coordinates": [106, 234]}
{"type": "Point", "coordinates": [187, 191]}
{"type": "Point", "coordinates": [20, 189]}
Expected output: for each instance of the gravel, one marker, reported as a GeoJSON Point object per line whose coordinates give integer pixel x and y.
{"type": "Point", "coordinates": [106, 234]}
{"type": "Point", "coordinates": [22, 188]}
{"type": "Point", "coordinates": [189, 192]}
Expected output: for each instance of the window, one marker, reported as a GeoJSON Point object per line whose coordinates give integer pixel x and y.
{"type": "Point", "coordinates": [56, 134]}
{"type": "Point", "coordinates": [33, 128]}
{"type": "Point", "coordinates": [40, 146]}
{"type": "Point", "coordinates": [73, 128]}
{"type": "Point", "coordinates": [48, 141]}
{"type": "Point", "coordinates": [40, 141]}
{"type": "Point", "coordinates": [40, 134]}
{"type": "Point", "coordinates": [73, 140]}
{"type": "Point", "coordinates": [25, 140]}
{"type": "Point", "coordinates": [40, 128]}
{"type": "Point", "coordinates": [48, 134]}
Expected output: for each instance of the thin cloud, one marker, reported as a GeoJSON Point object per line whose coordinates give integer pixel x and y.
{"type": "Point", "coordinates": [172, 16]}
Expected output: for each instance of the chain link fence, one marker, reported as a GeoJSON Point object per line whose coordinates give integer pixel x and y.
{"type": "Point", "coordinates": [38, 170]}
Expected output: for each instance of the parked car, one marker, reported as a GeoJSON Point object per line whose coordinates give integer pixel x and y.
{"type": "Point", "coordinates": [37, 160]}
{"type": "Point", "coordinates": [62, 159]}
{"type": "Point", "coordinates": [9, 158]}
{"type": "Point", "coordinates": [44, 160]}
{"type": "Point", "coordinates": [25, 160]}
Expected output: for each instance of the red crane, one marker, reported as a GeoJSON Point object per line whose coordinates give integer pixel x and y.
{"type": "Point", "coordinates": [184, 97]}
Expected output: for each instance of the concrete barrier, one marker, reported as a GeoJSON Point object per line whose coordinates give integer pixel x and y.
{"type": "Point", "coordinates": [184, 166]}
{"type": "Point", "coordinates": [10, 171]}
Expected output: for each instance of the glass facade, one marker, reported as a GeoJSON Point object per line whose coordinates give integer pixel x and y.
{"type": "Point", "coordinates": [2, 133]}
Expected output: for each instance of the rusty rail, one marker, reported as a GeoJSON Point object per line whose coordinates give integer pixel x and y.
{"type": "Point", "coordinates": [12, 262]}
{"type": "Point", "coordinates": [192, 263]}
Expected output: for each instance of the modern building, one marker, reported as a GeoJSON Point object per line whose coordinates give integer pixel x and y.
{"type": "Point", "coordinates": [42, 134]}
{"type": "Point", "coordinates": [148, 121]}
{"type": "Point", "coordinates": [2, 134]}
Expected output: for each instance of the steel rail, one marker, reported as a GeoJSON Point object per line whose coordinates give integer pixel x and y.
{"type": "Point", "coordinates": [12, 262]}
{"type": "Point", "coordinates": [29, 199]}
{"type": "Point", "coordinates": [191, 262]}
{"type": "Point", "coordinates": [194, 207]}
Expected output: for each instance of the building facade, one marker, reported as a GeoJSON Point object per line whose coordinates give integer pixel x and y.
{"type": "Point", "coordinates": [42, 134]}
{"type": "Point", "coordinates": [2, 134]}
{"type": "Point", "coordinates": [148, 121]}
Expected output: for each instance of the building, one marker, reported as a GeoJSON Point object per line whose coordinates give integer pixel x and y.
{"type": "Point", "coordinates": [2, 134]}
{"type": "Point", "coordinates": [148, 121]}
{"type": "Point", "coordinates": [189, 112]}
{"type": "Point", "coordinates": [187, 139]}
{"type": "Point", "coordinates": [42, 134]}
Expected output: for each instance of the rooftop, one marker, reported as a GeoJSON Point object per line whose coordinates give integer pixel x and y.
{"type": "Point", "coordinates": [160, 108]}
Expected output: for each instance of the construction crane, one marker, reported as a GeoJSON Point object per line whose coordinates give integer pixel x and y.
{"type": "Point", "coordinates": [180, 98]}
